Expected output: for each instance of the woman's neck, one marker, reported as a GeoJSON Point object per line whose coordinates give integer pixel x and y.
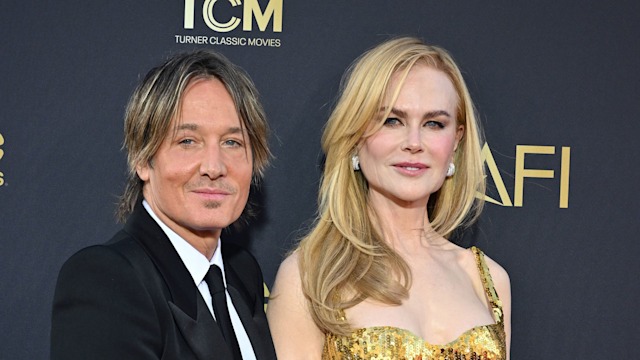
{"type": "Point", "coordinates": [405, 226]}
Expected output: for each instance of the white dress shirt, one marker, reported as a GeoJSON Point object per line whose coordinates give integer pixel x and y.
{"type": "Point", "coordinates": [197, 264]}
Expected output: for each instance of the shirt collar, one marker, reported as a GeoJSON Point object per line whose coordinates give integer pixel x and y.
{"type": "Point", "coordinates": [196, 263]}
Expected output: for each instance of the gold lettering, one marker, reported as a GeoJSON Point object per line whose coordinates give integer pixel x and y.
{"type": "Point", "coordinates": [564, 177]}
{"type": "Point", "coordinates": [189, 11]}
{"type": "Point", "coordinates": [521, 172]}
{"type": "Point", "coordinates": [1, 178]}
{"type": "Point", "coordinates": [212, 23]}
{"type": "Point", "coordinates": [273, 10]}
{"type": "Point", "coordinates": [487, 158]}
{"type": "Point", "coordinates": [266, 295]}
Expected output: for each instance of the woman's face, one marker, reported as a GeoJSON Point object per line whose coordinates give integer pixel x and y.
{"type": "Point", "coordinates": [406, 160]}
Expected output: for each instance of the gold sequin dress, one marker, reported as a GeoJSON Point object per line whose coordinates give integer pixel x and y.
{"type": "Point", "coordinates": [486, 342]}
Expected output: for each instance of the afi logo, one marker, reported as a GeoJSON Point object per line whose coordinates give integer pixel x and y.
{"type": "Point", "coordinates": [522, 172]}
{"type": "Point", "coordinates": [251, 10]}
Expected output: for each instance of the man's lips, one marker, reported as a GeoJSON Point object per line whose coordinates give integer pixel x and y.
{"type": "Point", "coordinates": [212, 194]}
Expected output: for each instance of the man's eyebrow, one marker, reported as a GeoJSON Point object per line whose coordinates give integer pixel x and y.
{"type": "Point", "coordinates": [234, 130]}
{"type": "Point", "coordinates": [187, 126]}
{"type": "Point", "coordinates": [194, 127]}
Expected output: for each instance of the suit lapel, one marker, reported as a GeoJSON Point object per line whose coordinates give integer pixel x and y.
{"type": "Point", "coordinates": [202, 334]}
{"type": "Point", "coordinates": [191, 314]}
{"type": "Point", "coordinates": [251, 313]}
{"type": "Point", "coordinates": [156, 243]}
{"type": "Point", "coordinates": [242, 293]}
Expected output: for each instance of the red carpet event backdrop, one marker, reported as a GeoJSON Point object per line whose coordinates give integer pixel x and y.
{"type": "Point", "coordinates": [556, 86]}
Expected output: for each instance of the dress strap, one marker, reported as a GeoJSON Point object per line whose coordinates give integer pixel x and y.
{"type": "Point", "coordinates": [487, 282]}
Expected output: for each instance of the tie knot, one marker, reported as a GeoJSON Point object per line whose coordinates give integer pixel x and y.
{"type": "Point", "coordinates": [214, 279]}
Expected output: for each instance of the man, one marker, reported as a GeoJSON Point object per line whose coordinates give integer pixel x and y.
{"type": "Point", "coordinates": [164, 287]}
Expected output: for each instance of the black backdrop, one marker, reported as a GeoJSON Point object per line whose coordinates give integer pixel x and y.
{"type": "Point", "coordinates": [547, 74]}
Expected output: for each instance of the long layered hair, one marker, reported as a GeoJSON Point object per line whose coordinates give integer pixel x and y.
{"type": "Point", "coordinates": [344, 259]}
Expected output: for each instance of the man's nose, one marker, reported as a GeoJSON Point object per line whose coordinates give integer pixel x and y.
{"type": "Point", "coordinates": [212, 164]}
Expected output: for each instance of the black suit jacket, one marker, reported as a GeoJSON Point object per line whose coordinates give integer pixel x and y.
{"type": "Point", "coordinates": [133, 298]}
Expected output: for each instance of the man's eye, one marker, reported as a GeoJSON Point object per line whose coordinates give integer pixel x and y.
{"type": "Point", "coordinates": [232, 143]}
{"type": "Point", "coordinates": [186, 142]}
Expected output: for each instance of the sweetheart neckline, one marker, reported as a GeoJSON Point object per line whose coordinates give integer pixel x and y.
{"type": "Point", "coordinates": [417, 337]}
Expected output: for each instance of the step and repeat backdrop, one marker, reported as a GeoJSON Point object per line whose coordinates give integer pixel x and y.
{"type": "Point", "coordinates": [556, 85]}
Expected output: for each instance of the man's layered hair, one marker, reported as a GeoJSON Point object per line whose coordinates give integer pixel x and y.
{"type": "Point", "coordinates": [156, 102]}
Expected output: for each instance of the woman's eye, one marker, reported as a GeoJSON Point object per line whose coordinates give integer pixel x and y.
{"type": "Point", "coordinates": [186, 142]}
{"type": "Point", "coordinates": [392, 122]}
{"type": "Point", "coordinates": [434, 124]}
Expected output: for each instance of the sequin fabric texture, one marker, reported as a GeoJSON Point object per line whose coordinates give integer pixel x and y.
{"type": "Point", "coordinates": [485, 342]}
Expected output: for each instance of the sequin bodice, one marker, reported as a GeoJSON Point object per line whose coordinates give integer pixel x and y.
{"type": "Point", "coordinates": [486, 342]}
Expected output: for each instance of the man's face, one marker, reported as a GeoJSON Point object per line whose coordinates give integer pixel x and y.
{"type": "Point", "coordinates": [198, 181]}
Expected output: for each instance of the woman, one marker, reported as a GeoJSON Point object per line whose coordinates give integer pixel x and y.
{"type": "Point", "coordinates": [376, 277]}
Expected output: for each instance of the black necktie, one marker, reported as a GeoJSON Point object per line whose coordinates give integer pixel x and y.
{"type": "Point", "coordinates": [219, 297]}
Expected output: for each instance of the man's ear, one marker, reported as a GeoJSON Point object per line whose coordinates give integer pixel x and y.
{"type": "Point", "coordinates": [143, 171]}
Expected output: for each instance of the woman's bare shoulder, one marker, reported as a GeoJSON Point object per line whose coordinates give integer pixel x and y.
{"type": "Point", "coordinates": [499, 275]}
{"type": "Point", "coordinates": [288, 272]}
{"type": "Point", "coordinates": [294, 332]}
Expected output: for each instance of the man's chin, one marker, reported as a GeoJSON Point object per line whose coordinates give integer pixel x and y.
{"type": "Point", "coordinates": [212, 204]}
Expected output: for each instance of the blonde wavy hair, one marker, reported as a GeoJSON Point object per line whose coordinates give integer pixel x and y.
{"type": "Point", "coordinates": [344, 260]}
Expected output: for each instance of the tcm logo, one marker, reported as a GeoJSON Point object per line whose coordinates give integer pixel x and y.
{"type": "Point", "coordinates": [521, 173]}
{"type": "Point", "coordinates": [1, 155]}
{"type": "Point", "coordinates": [216, 18]}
